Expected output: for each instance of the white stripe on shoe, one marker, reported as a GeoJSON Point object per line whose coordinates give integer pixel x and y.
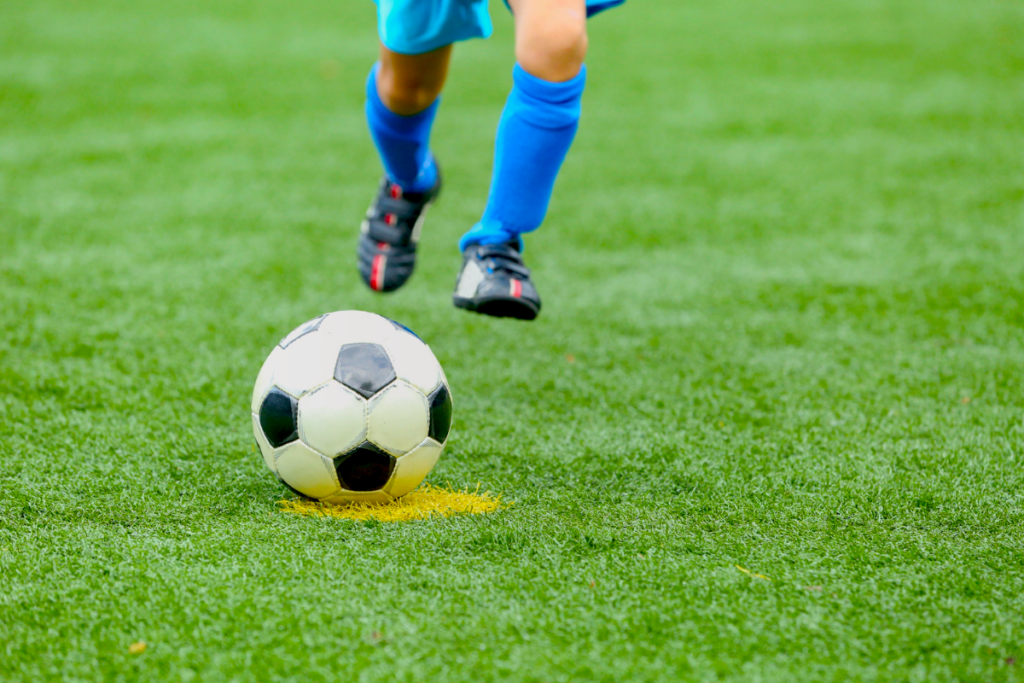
{"type": "Point", "coordinates": [469, 280]}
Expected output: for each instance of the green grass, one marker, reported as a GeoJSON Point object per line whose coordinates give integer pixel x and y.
{"type": "Point", "coordinates": [785, 255]}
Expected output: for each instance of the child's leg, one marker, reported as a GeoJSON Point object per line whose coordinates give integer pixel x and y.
{"type": "Point", "coordinates": [401, 101]}
{"type": "Point", "coordinates": [540, 118]}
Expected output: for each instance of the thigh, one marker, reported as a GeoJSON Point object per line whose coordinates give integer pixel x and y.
{"type": "Point", "coordinates": [426, 69]}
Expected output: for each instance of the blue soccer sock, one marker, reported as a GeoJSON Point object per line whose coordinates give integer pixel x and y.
{"type": "Point", "coordinates": [536, 130]}
{"type": "Point", "coordinates": [403, 142]}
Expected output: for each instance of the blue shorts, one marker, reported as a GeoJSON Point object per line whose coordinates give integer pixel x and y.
{"type": "Point", "coordinates": [412, 27]}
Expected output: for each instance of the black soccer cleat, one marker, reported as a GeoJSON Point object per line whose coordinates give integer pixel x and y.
{"type": "Point", "coordinates": [389, 234]}
{"type": "Point", "coordinates": [494, 281]}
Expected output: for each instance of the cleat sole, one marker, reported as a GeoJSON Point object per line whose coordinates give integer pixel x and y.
{"type": "Point", "coordinates": [499, 307]}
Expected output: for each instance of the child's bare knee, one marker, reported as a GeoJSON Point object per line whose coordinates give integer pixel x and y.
{"type": "Point", "coordinates": [409, 84]}
{"type": "Point", "coordinates": [404, 96]}
{"type": "Point", "coordinates": [553, 49]}
{"type": "Point", "coordinates": [407, 100]}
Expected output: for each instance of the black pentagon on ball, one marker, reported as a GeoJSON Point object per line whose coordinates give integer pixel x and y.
{"type": "Point", "coordinates": [364, 368]}
{"type": "Point", "coordinates": [278, 414]}
{"type": "Point", "coordinates": [440, 413]}
{"type": "Point", "coordinates": [365, 468]}
{"type": "Point", "coordinates": [302, 330]}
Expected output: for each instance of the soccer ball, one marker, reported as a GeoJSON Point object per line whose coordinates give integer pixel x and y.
{"type": "Point", "coordinates": [351, 406]}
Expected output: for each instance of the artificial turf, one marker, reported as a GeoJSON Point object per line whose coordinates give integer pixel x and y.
{"type": "Point", "coordinates": [768, 427]}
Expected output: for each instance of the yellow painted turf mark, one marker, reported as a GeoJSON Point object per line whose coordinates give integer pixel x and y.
{"type": "Point", "coordinates": [747, 571]}
{"type": "Point", "coordinates": [426, 501]}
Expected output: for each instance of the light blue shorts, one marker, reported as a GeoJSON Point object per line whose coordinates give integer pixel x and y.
{"type": "Point", "coordinates": [412, 27]}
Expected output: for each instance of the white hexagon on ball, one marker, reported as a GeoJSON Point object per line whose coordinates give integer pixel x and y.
{"type": "Point", "coordinates": [307, 363]}
{"type": "Point", "coordinates": [332, 419]}
{"type": "Point", "coordinates": [306, 471]}
{"type": "Point", "coordinates": [265, 379]}
{"type": "Point", "coordinates": [353, 327]}
{"type": "Point", "coordinates": [266, 450]}
{"type": "Point", "coordinates": [399, 418]}
{"type": "Point", "coordinates": [412, 468]}
{"type": "Point", "coordinates": [413, 361]}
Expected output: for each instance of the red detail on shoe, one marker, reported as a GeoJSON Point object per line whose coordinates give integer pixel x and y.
{"type": "Point", "coordinates": [390, 218]}
{"type": "Point", "coordinates": [383, 246]}
{"type": "Point", "coordinates": [517, 289]}
{"type": "Point", "coordinates": [396, 191]}
{"type": "Point", "coordinates": [377, 273]}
